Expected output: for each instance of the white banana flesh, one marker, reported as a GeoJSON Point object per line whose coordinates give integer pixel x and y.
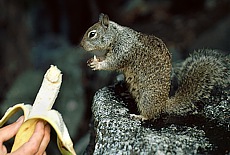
{"type": "Point", "coordinates": [41, 109]}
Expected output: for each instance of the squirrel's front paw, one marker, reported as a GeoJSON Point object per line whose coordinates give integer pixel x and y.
{"type": "Point", "coordinates": [94, 63]}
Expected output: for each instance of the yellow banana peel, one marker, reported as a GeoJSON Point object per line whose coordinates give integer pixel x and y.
{"type": "Point", "coordinates": [24, 133]}
{"type": "Point", "coordinates": [41, 110]}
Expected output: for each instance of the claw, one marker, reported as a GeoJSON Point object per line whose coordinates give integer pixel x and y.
{"type": "Point", "coordinates": [95, 58]}
{"type": "Point", "coordinates": [138, 117]}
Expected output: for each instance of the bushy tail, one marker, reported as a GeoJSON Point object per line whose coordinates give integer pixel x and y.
{"type": "Point", "coordinates": [199, 74]}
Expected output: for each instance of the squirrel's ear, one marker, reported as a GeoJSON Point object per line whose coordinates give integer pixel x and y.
{"type": "Point", "coordinates": [104, 20]}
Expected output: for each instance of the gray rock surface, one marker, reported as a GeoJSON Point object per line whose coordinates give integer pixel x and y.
{"type": "Point", "coordinates": [114, 132]}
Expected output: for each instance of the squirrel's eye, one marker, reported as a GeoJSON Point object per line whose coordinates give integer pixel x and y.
{"type": "Point", "coordinates": [92, 34]}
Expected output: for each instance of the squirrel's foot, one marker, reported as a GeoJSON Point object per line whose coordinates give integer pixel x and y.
{"type": "Point", "coordinates": [138, 117]}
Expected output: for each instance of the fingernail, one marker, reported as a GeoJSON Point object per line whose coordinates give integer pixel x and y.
{"type": "Point", "coordinates": [20, 119]}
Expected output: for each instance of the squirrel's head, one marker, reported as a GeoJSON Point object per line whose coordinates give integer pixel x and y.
{"type": "Point", "coordinates": [99, 36]}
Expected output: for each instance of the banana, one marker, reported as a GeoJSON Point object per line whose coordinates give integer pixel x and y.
{"type": "Point", "coordinates": [42, 110]}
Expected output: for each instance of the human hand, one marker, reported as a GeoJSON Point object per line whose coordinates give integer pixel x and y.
{"type": "Point", "coordinates": [36, 144]}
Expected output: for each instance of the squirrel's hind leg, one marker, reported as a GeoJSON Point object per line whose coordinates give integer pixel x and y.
{"type": "Point", "coordinates": [151, 106]}
{"type": "Point", "coordinates": [175, 107]}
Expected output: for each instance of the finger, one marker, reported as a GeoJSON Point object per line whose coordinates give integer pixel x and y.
{"type": "Point", "coordinates": [9, 131]}
{"type": "Point", "coordinates": [32, 146]}
{"type": "Point", "coordinates": [45, 140]}
{"type": "Point", "coordinates": [3, 149]}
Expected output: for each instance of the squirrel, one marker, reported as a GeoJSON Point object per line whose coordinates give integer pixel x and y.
{"type": "Point", "coordinates": [146, 64]}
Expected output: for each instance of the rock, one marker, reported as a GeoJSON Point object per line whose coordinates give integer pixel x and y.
{"type": "Point", "coordinates": [219, 112]}
{"type": "Point", "coordinates": [114, 132]}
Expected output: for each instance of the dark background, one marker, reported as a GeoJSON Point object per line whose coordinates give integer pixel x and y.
{"type": "Point", "coordinates": [35, 34]}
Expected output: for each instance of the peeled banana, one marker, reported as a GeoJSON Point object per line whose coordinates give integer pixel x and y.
{"type": "Point", "coordinates": [42, 110]}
